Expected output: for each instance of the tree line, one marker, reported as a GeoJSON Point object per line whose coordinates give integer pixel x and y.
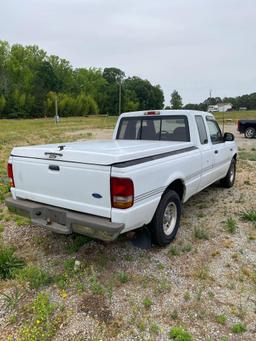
{"type": "Point", "coordinates": [31, 81]}
{"type": "Point", "coordinates": [244, 101]}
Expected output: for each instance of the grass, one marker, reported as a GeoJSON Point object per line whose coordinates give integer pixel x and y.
{"type": "Point", "coordinates": [42, 323]}
{"type": "Point", "coordinates": [147, 302]}
{"type": "Point", "coordinates": [34, 276]}
{"type": "Point", "coordinates": [249, 216]}
{"type": "Point", "coordinates": [180, 334]}
{"type": "Point", "coordinates": [123, 277]}
{"type": "Point", "coordinates": [236, 115]}
{"type": "Point", "coordinates": [221, 319]}
{"type": "Point", "coordinates": [231, 225]}
{"type": "Point", "coordinates": [247, 155]}
{"type": "Point", "coordinates": [35, 316]}
{"type": "Point", "coordinates": [12, 299]}
{"type": "Point", "coordinates": [8, 262]}
{"type": "Point", "coordinates": [238, 328]}
{"type": "Point", "coordinates": [201, 233]}
{"type": "Point", "coordinates": [40, 131]}
{"type": "Point", "coordinates": [77, 243]}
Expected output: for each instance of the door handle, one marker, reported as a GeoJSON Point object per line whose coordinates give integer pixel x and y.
{"type": "Point", "coordinates": [216, 151]}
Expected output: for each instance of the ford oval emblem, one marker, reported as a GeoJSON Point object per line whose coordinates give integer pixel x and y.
{"type": "Point", "coordinates": [97, 195]}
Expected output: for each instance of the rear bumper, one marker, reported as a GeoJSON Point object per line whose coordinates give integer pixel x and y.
{"type": "Point", "coordinates": [63, 221]}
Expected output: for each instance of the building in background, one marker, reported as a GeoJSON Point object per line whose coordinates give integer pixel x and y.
{"type": "Point", "coordinates": [220, 107]}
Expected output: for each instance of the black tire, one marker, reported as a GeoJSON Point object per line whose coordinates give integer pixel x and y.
{"type": "Point", "coordinates": [229, 179]}
{"type": "Point", "coordinates": [159, 235]}
{"type": "Point", "coordinates": [249, 132]}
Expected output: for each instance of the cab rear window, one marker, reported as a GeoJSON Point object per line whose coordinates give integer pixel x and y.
{"type": "Point", "coordinates": [163, 128]}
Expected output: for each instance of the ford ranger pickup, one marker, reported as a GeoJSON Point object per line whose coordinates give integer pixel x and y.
{"type": "Point", "coordinates": [155, 161]}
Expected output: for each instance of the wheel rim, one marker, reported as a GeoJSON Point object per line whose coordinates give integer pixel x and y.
{"type": "Point", "coordinates": [232, 173]}
{"type": "Point", "coordinates": [249, 132]}
{"type": "Point", "coordinates": [169, 218]}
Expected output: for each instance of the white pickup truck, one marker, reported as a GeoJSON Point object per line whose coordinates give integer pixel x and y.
{"type": "Point", "coordinates": [155, 162]}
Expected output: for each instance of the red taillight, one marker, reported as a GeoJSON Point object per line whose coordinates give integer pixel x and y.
{"type": "Point", "coordinates": [151, 113]}
{"type": "Point", "coordinates": [122, 192]}
{"type": "Point", "coordinates": [10, 175]}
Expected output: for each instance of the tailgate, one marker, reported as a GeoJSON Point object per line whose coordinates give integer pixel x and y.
{"type": "Point", "coordinates": [75, 186]}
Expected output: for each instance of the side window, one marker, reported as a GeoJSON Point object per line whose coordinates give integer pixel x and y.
{"type": "Point", "coordinates": [150, 129]}
{"type": "Point", "coordinates": [215, 132]}
{"type": "Point", "coordinates": [201, 129]}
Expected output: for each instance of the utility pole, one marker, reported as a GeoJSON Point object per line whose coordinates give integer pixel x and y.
{"type": "Point", "coordinates": [120, 97]}
{"type": "Point", "coordinates": [57, 118]}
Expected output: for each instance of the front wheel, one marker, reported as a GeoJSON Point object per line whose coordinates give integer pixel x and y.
{"type": "Point", "coordinates": [249, 133]}
{"type": "Point", "coordinates": [229, 179]}
{"type": "Point", "coordinates": [166, 221]}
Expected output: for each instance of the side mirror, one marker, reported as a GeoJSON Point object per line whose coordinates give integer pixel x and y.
{"type": "Point", "coordinates": [228, 137]}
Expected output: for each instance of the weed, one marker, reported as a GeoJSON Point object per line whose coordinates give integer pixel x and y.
{"type": "Point", "coordinates": [249, 216]}
{"type": "Point", "coordinates": [77, 243]}
{"type": "Point", "coordinates": [231, 225]}
{"type": "Point", "coordinates": [95, 286]}
{"type": "Point", "coordinates": [174, 314]}
{"type": "Point", "coordinates": [186, 248]}
{"type": "Point", "coordinates": [187, 296]}
{"type": "Point", "coordinates": [34, 276]}
{"type": "Point", "coordinates": [173, 251]}
{"type": "Point", "coordinates": [11, 300]}
{"type": "Point", "coordinates": [142, 326]}
{"type": "Point", "coordinates": [147, 302]}
{"type": "Point", "coordinates": [69, 265]}
{"type": "Point", "coordinates": [154, 328]}
{"type": "Point", "coordinates": [238, 328]}
{"type": "Point", "coordinates": [180, 334]}
{"type": "Point", "coordinates": [123, 277]}
{"type": "Point", "coordinates": [43, 324]}
{"type": "Point", "coordinates": [8, 262]}
{"type": "Point", "coordinates": [203, 272]}
{"type": "Point", "coordinates": [210, 294]}
{"type": "Point", "coordinates": [201, 233]}
{"type": "Point", "coordinates": [221, 319]}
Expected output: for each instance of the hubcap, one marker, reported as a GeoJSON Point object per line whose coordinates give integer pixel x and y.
{"type": "Point", "coordinates": [249, 133]}
{"type": "Point", "coordinates": [169, 218]}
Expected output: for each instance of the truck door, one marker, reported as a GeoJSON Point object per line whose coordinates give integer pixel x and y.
{"type": "Point", "coordinates": [207, 157]}
{"type": "Point", "coordinates": [221, 158]}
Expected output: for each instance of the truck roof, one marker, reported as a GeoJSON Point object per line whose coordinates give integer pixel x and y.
{"type": "Point", "coordinates": [166, 112]}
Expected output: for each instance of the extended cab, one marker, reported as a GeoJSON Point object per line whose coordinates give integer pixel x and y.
{"type": "Point", "coordinates": [155, 162]}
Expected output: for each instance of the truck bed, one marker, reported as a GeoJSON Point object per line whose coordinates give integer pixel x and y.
{"type": "Point", "coordinates": [76, 176]}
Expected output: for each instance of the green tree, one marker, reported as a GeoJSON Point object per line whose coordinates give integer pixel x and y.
{"type": "Point", "coordinates": [2, 103]}
{"type": "Point", "coordinates": [176, 100]}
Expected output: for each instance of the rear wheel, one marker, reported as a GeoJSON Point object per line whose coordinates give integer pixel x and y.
{"type": "Point", "coordinates": [249, 133]}
{"type": "Point", "coordinates": [229, 179]}
{"type": "Point", "coordinates": [166, 221]}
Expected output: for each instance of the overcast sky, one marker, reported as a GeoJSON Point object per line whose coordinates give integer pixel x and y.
{"type": "Point", "coordinates": [188, 45]}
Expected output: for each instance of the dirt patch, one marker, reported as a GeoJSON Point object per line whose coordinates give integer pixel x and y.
{"type": "Point", "coordinates": [97, 134]}
{"type": "Point", "coordinates": [96, 307]}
